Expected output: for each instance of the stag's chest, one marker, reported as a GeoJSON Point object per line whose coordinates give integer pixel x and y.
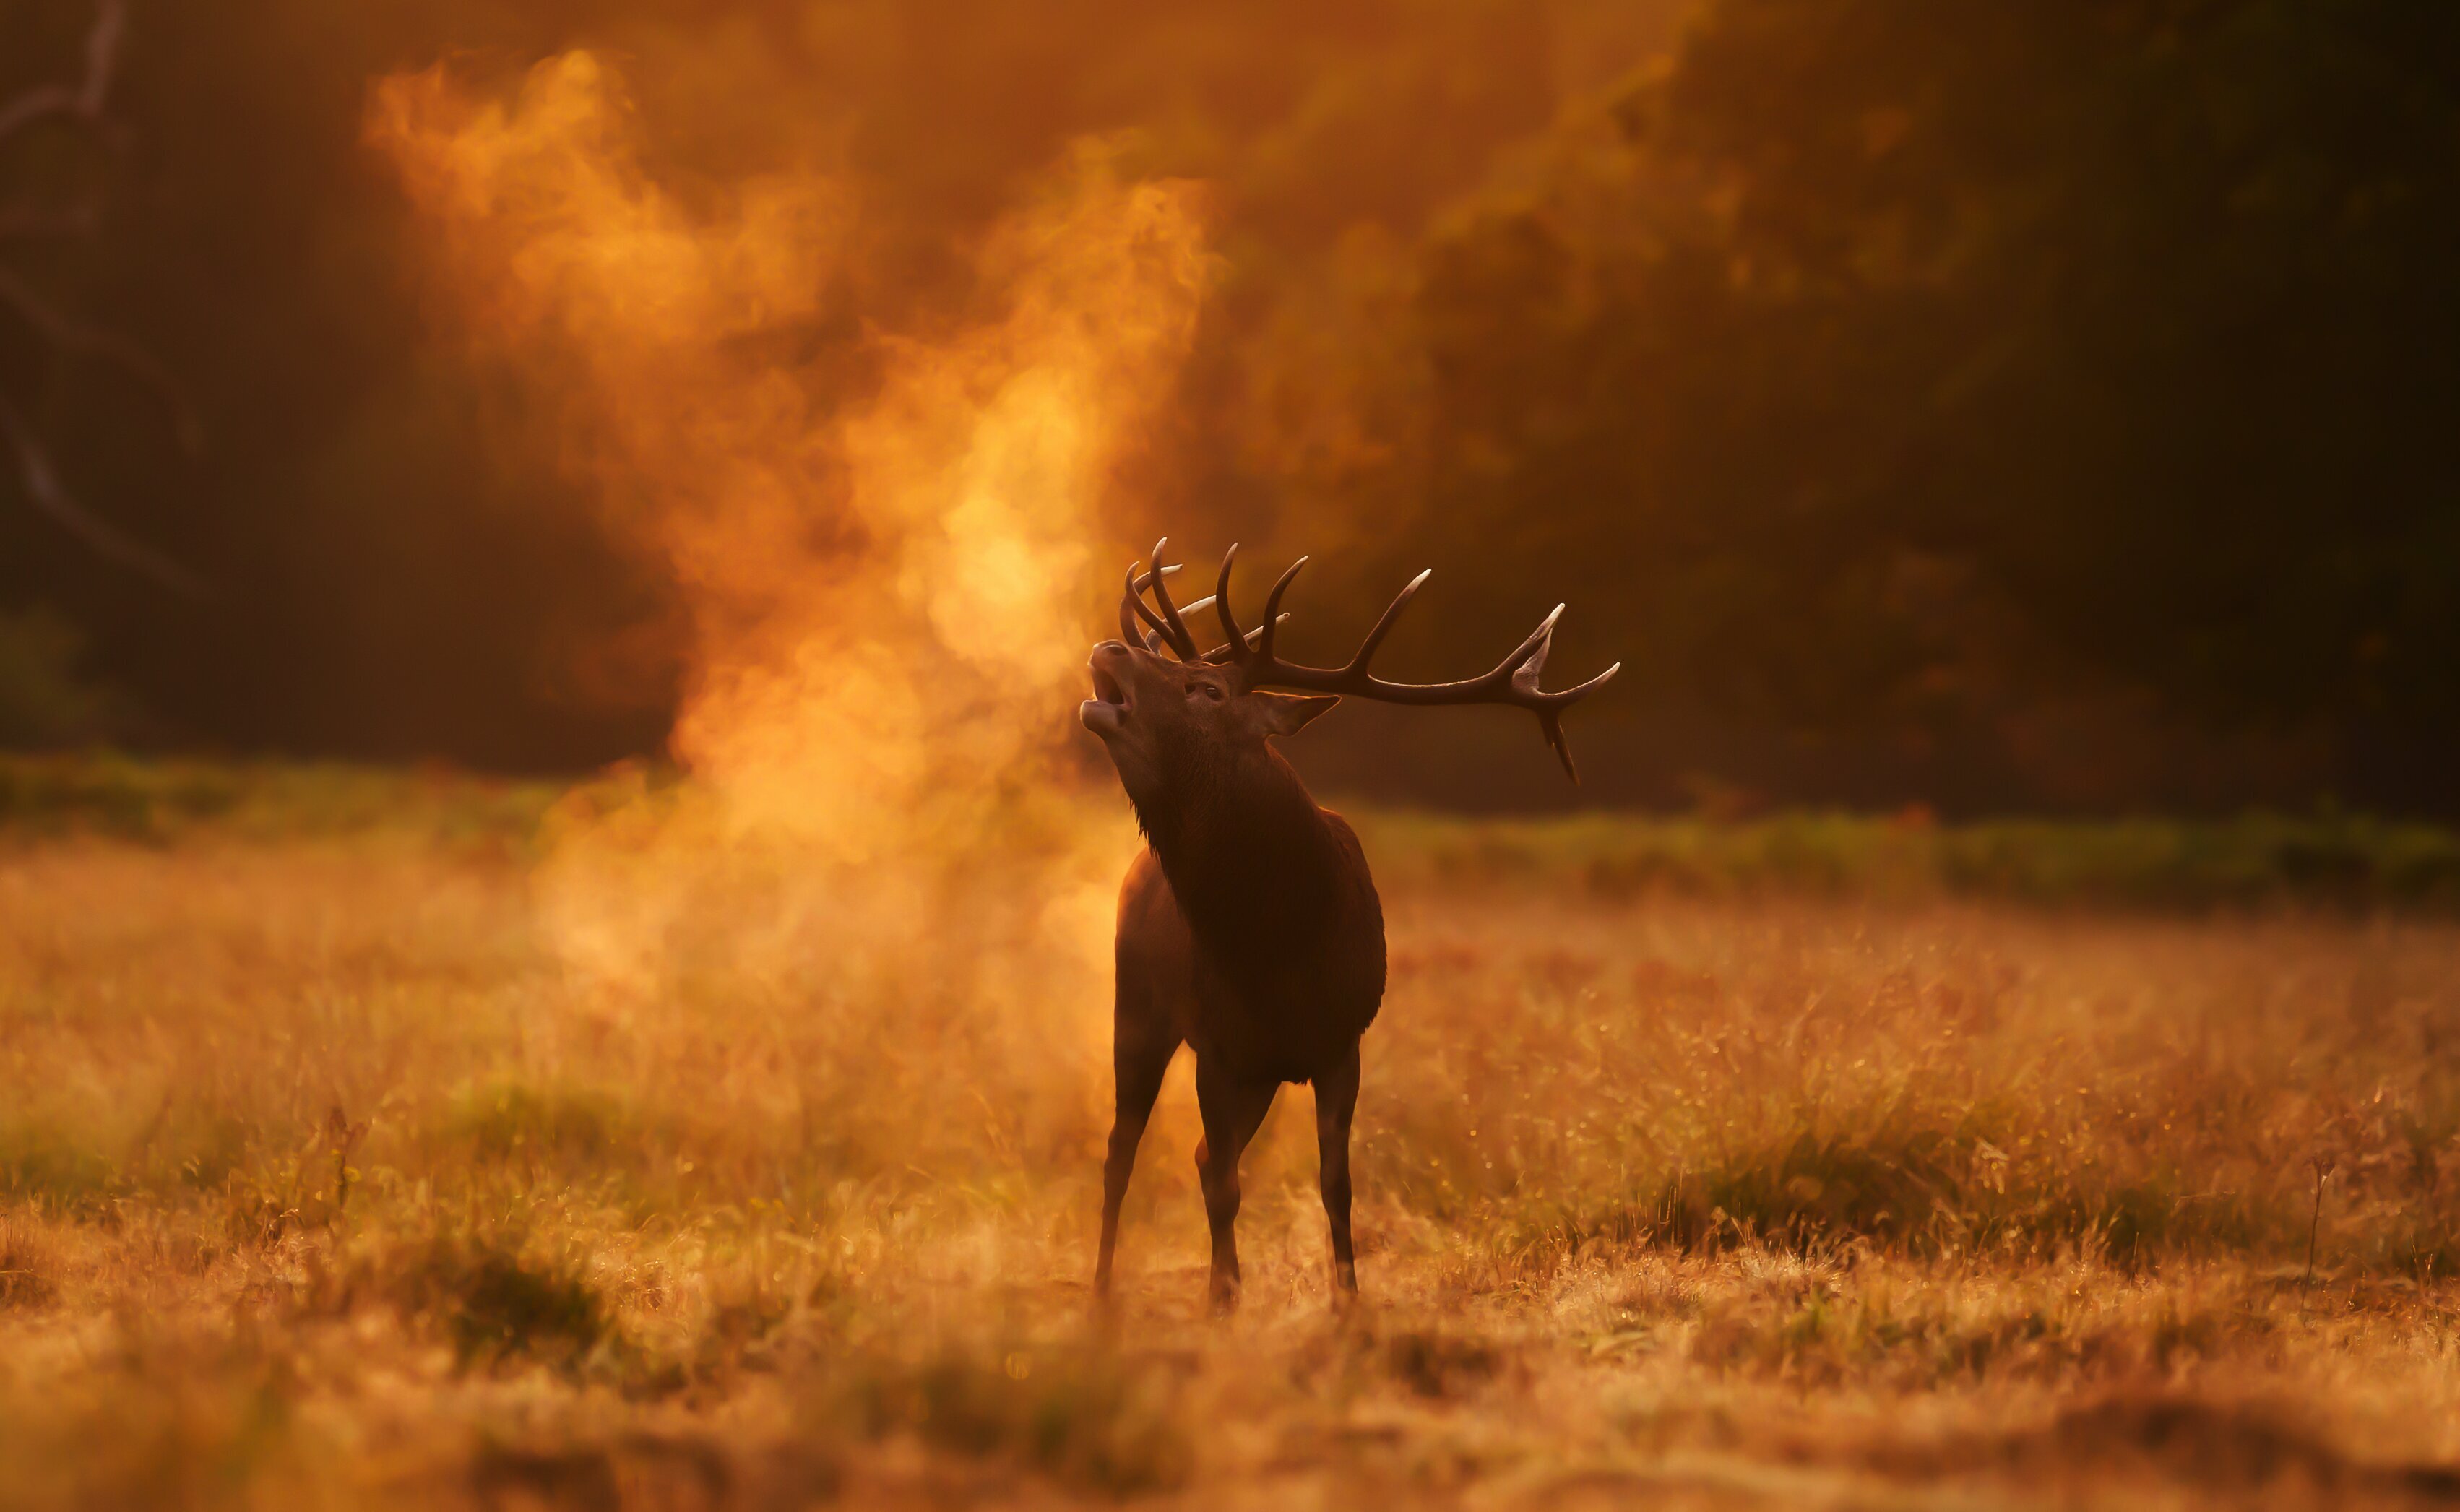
{"type": "Point", "coordinates": [1284, 1008]}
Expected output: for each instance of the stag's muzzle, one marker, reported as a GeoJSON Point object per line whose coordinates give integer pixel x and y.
{"type": "Point", "coordinates": [1108, 709]}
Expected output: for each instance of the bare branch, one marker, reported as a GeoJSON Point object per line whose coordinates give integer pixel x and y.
{"type": "Point", "coordinates": [72, 335]}
{"type": "Point", "coordinates": [43, 486]}
{"type": "Point", "coordinates": [83, 101]}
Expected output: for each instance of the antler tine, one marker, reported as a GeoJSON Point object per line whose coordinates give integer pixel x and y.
{"type": "Point", "coordinates": [1134, 599]}
{"type": "Point", "coordinates": [1384, 626]}
{"type": "Point", "coordinates": [1177, 631]}
{"type": "Point", "coordinates": [1130, 609]}
{"type": "Point", "coordinates": [1159, 633]}
{"type": "Point", "coordinates": [1237, 641]}
{"type": "Point", "coordinates": [1272, 615]}
{"type": "Point", "coordinates": [1512, 681]}
{"type": "Point", "coordinates": [1219, 655]}
{"type": "Point", "coordinates": [1550, 724]}
{"type": "Point", "coordinates": [1573, 695]}
{"type": "Point", "coordinates": [1529, 658]}
{"type": "Point", "coordinates": [1551, 705]}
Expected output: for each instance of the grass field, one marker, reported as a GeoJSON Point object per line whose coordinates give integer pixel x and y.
{"type": "Point", "coordinates": [355, 1152]}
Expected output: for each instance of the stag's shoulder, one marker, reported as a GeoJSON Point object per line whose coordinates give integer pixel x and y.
{"type": "Point", "coordinates": [1352, 854]}
{"type": "Point", "coordinates": [1343, 836]}
{"type": "Point", "coordinates": [1145, 891]}
{"type": "Point", "coordinates": [1362, 964]}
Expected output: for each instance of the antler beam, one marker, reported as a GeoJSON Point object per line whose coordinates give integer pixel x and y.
{"type": "Point", "coordinates": [1514, 681]}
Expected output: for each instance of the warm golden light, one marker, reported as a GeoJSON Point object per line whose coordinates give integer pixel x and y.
{"type": "Point", "coordinates": [886, 601]}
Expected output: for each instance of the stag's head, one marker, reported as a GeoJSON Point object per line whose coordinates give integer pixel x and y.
{"type": "Point", "coordinates": [1168, 724]}
{"type": "Point", "coordinates": [1171, 714]}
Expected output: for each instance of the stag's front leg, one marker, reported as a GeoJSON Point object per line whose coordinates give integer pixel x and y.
{"type": "Point", "coordinates": [1141, 1056]}
{"type": "Point", "coordinates": [1232, 1111]}
{"type": "Point", "coordinates": [1336, 1100]}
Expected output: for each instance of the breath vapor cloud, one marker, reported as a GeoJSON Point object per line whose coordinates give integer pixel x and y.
{"type": "Point", "coordinates": [886, 595]}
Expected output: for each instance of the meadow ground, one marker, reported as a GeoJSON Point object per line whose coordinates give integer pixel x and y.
{"type": "Point", "coordinates": [1697, 1168]}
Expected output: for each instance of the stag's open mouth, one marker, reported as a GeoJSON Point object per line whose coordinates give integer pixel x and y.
{"type": "Point", "coordinates": [1108, 709]}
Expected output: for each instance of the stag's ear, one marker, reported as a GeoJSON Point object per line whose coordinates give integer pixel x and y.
{"type": "Point", "coordinates": [1288, 713]}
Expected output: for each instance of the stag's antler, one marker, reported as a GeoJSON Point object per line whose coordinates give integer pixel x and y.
{"type": "Point", "coordinates": [1180, 642]}
{"type": "Point", "coordinates": [1514, 681]}
{"type": "Point", "coordinates": [1168, 630]}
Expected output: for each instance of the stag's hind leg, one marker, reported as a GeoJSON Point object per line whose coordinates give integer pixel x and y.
{"type": "Point", "coordinates": [1232, 1110]}
{"type": "Point", "coordinates": [1140, 1052]}
{"type": "Point", "coordinates": [1336, 1101]}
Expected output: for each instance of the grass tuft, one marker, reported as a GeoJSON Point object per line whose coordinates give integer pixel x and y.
{"type": "Point", "coordinates": [1084, 1416]}
{"type": "Point", "coordinates": [498, 1302]}
{"type": "Point", "coordinates": [514, 1119]}
{"type": "Point", "coordinates": [27, 1267]}
{"type": "Point", "coordinates": [42, 1162]}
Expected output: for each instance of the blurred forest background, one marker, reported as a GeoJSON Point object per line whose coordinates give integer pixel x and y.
{"type": "Point", "coordinates": [2039, 405]}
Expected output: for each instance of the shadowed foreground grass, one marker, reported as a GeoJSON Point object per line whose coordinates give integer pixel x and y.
{"type": "Point", "coordinates": [328, 1178]}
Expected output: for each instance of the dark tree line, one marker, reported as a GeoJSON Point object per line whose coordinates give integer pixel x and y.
{"type": "Point", "coordinates": [1901, 363]}
{"type": "Point", "coordinates": [1887, 381]}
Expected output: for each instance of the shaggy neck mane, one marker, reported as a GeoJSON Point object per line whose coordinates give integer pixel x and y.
{"type": "Point", "coordinates": [1245, 848]}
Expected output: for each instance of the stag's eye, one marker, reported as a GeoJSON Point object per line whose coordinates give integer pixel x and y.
{"type": "Point", "coordinates": [1204, 691]}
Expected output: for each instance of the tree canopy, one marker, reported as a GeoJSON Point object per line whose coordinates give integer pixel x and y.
{"type": "Point", "coordinates": [1898, 379]}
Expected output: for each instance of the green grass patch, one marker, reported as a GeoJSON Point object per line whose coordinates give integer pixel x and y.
{"type": "Point", "coordinates": [2259, 859]}
{"type": "Point", "coordinates": [516, 1121]}
{"type": "Point", "coordinates": [160, 801]}
{"type": "Point", "coordinates": [46, 1163]}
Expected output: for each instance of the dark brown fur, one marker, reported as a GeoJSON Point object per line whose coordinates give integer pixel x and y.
{"type": "Point", "coordinates": [1250, 930]}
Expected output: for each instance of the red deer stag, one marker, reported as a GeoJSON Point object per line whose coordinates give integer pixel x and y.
{"type": "Point", "coordinates": [1249, 929]}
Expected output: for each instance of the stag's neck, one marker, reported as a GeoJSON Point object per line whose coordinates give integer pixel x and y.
{"type": "Point", "coordinates": [1248, 854]}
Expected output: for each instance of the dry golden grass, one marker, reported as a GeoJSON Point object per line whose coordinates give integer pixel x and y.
{"type": "Point", "coordinates": [325, 1180]}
